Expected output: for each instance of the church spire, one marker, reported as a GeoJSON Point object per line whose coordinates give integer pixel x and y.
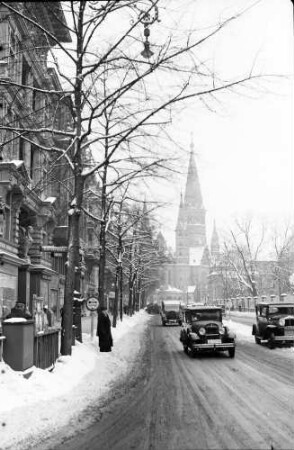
{"type": "Point", "coordinates": [191, 229]}
{"type": "Point", "coordinates": [214, 246]}
{"type": "Point", "coordinates": [192, 143]}
{"type": "Point", "coordinates": [181, 200]}
{"type": "Point", "coordinates": [193, 195]}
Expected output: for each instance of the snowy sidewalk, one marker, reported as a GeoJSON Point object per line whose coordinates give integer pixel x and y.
{"type": "Point", "coordinates": [46, 401]}
{"type": "Point", "coordinates": [237, 314]}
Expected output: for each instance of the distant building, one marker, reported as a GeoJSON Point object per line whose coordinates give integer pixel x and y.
{"type": "Point", "coordinates": [168, 293]}
{"type": "Point", "coordinates": [192, 255]}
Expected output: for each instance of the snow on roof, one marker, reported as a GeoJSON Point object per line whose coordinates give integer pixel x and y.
{"type": "Point", "coordinates": [17, 162]}
{"type": "Point", "coordinates": [171, 302]}
{"type": "Point", "coordinates": [172, 289]}
{"type": "Point", "coordinates": [15, 320]}
{"type": "Point", "coordinates": [50, 199]}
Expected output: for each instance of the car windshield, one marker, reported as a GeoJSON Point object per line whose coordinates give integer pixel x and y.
{"type": "Point", "coordinates": [205, 315]}
{"type": "Point", "coordinates": [171, 307]}
{"type": "Point", "coordinates": [284, 310]}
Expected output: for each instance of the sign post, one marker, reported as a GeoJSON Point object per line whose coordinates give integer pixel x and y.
{"type": "Point", "coordinates": [92, 305]}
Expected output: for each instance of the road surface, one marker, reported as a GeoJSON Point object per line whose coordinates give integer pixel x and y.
{"type": "Point", "coordinates": [174, 402]}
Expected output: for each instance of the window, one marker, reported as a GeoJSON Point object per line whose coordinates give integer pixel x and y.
{"type": "Point", "coordinates": [14, 140]}
{"type": "Point", "coordinates": [3, 39]}
{"type": "Point", "coordinates": [59, 264]}
{"type": "Point", "coordinates": [21, 149]}
{"type": "Point", "coordinates": [3, 109]}
{"type": "Point", "coordinates": [4, 220]}
{"type": "Point", "coordinates": [14, 56]}
{"type": "Point", "coordinates": [25, 73]}
{"type": "Point", "coordinates": [3, 113]}
{"type": "Point", "coordinates": [263, 311]}
{"type": "Point", "coordinates": [90, 237]}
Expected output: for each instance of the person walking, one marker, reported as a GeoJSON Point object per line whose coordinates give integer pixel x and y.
{"type": "Point", "coordinates": [104, 330]}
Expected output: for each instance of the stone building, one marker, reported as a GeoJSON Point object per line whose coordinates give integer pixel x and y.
{"type": "Point", "coordinates": [28, 199]}
{"type": "Point", "coordinates": [35, 184]}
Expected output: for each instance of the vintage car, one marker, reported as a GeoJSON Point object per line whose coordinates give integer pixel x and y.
{"type": "Point", "coordinates": [203, 330]}
{"type": "Point", "coordinates": [171, 313]}
{"type": "Point", "coordinates": [274, 324]}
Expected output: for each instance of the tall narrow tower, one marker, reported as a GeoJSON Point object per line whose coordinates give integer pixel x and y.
{"type": "Point", "coordinates": [214, 246]}
{"type": "Point", "coordinates": [191, 229]}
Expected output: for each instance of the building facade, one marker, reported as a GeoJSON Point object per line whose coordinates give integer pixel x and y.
{"type": "Point", "coordinates": [36, 185]}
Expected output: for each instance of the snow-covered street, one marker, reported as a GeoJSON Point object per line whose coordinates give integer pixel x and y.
{"type": "Point", "coordinates": [37, 407]}
{"type": "Point", "coordinates": [47, 400]}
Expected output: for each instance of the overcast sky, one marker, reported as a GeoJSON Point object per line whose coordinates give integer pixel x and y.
{"type": "Point", "coordinates": [244, 147]}
{"type": "Point", "coordinates": [244, 151]}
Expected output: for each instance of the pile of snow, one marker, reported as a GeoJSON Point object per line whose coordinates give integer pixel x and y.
{"type": "Point", "coordinates": [15, 320]}
{"type": "Point", "coordinates": [243, 332]}
{"type": "Point", "coordinates": [48, 400]}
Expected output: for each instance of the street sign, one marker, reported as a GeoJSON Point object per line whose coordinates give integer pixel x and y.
{"type": "Point", "coordinates": [92, 303]}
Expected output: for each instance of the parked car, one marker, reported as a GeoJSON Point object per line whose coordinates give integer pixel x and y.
{"type": "Point", "coordinates": [153, 308]}
{"type": "Point", "coordinates": [203, 330]}
{"type": "Point", "coordinates": [171, 313]}
{"type": "Point", "coordinates": [274, 324]}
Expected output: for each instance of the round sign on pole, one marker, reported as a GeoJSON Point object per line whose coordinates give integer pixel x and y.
{"type": "Point", "coordinates": [92, 303]}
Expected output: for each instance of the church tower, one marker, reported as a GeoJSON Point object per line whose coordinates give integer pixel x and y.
{"type": "Point", "coordinates": [191, 229]}
{"type": "Point", "coordinates": [214, 246]}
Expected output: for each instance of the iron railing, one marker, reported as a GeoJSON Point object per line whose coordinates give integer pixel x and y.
{"type": "Point", "coordinates": [46, 348]}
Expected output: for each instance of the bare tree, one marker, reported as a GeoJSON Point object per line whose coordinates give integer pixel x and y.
{"type": "Point", "coordinates": [283, 243]}
{"type": "Point", "coordinates": [242, 252]}
{"type": "Point", "coordinates": [89, 58]}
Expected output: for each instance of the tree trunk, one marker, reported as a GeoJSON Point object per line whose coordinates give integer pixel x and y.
{"type": "Point", "coordinates": [102, 239]}
{"type": "Point", "coordinates": [121, 292]}
{"type": "Point", "coordinates": [130, 304]}
{"type": "Point", "coordinates": [115, 297]}
{"type": "Point", "coordinates": [72, 269]}
{"type": "Point", "coordinates": [102, 259]}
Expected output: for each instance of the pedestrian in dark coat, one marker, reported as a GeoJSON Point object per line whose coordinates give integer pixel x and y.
{"type": "Point", "coordinates": [104, 330]}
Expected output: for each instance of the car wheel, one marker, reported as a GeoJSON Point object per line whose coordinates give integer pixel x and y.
{"type": "Point", "coordinates": [271, 341]}
{"type": "Point", "coordinates": [232, 352]}
{"type": "Point", "coordinates": [257, 340]}
{"type": "Point", "coordinates": [186, 349]}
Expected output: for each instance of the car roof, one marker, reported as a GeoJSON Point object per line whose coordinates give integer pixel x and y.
{"type": "Point", "coordinates": [195, 307]}
{"type": "Point", "coordinates": [274, 304]}
{"type": "Point", "coordinates": [171, 302]}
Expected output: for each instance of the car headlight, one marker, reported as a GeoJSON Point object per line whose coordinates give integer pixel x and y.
{"type": "Point", "coordinates": [282, 322]}
{"type": "Point", "coordinates": [193, 336]}
{"type": "Point", "coordinates": [222, 330]}
{"type": "Point", "coordinates": [201, 331]}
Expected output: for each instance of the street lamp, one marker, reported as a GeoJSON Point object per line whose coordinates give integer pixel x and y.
{"type": "Point", "coordinates": [147, 19]}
